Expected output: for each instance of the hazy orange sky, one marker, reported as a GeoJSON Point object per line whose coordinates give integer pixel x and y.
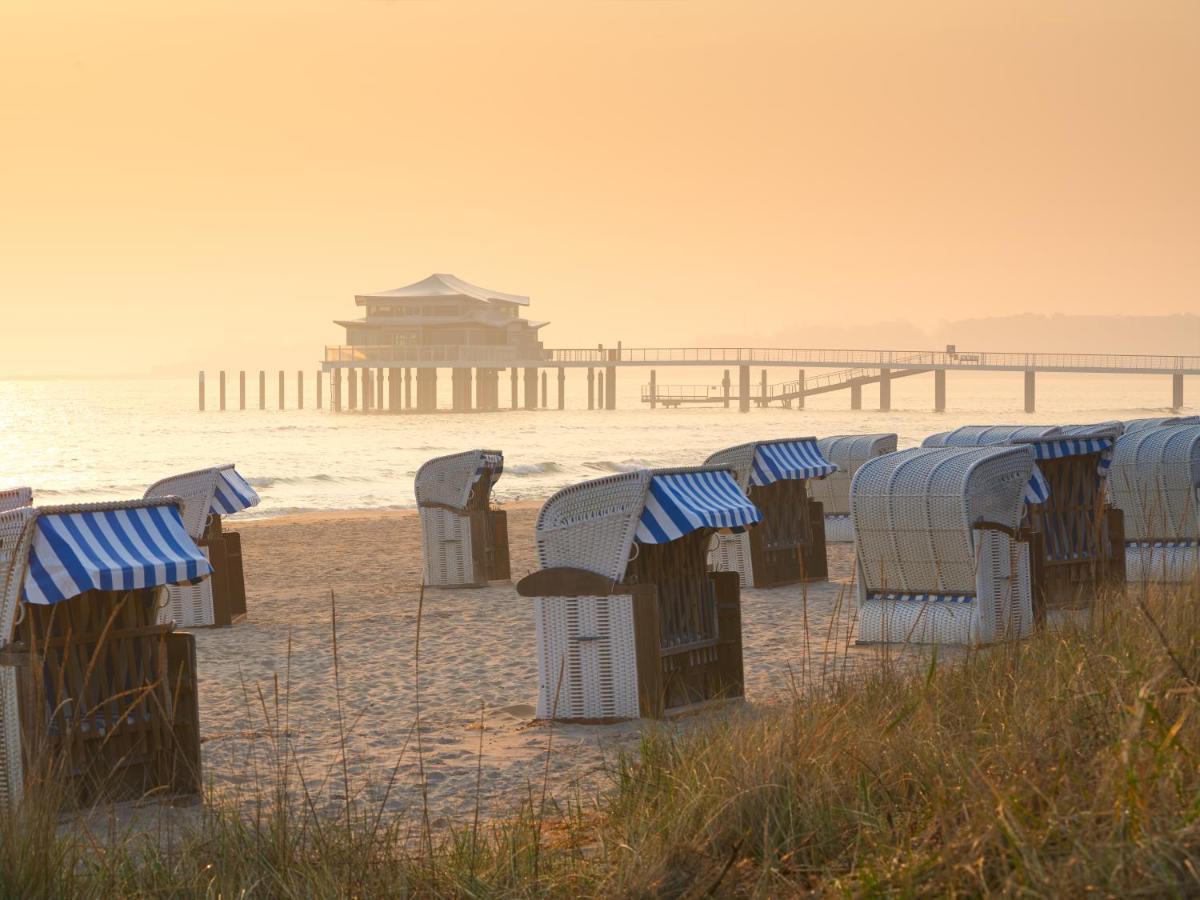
{"type": "Point", "coordinates": [209, 183]}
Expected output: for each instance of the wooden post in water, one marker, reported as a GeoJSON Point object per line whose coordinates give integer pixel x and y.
{"type": "Point", "coordinates": [1177, 390]}
{"type": "Point", "coordinates": [743, 389]}
{"type": "Point", "coordinates": [545, 393]}
{"type": "Point", "coordinates": [726, 383]}
{"type": "Point", "coordinates": [856, 395]}
{"type": "Point", "coordinates": [762, 390]}
{"type": "Point", "coordinates": [394, 385]}
{"type": "Point", "coordinates": [939, 390]}
{"type": "Point", "coordinates": [352, 389]}
{"type": "Point", "coordinates": [653, 389]}
{"type": "Point", "coordinates": [885, 390]}
{"type": "Point", "coordinates": [591, 387]}
{"type": "Point", "coordinates": [300, 389]}
{"type": "Point", "coordinates": [408, 399]}
{"type": "Point", "coordinates": [281, 376]}
{"type": "Point", "coordinates": [512, 374]}
{"type": "Point", "coordinates": [202, 392]}
{"type": "Point", "coordinates": [562, 388]}
{"type": "Point", "coordinates": [320, 391]}
{"type": "Point", "coordinates": [242, 389]}
{"type": "Point", "coordinates": [1030, 390]}
{"type": "Point", "coordinates": [262, 389]}
{"type": "Point", "coordinates": [610, 380]}
{"type": "Point", "coordinates": [531, 387]}
{"type": "Point", "coordinates": [222, 390]}
{"type": "Point", "coordinates": [335, 381]}
{"type": "Point", "coordinates": [800, 390]}
{"type": "Point", "coordinates": [600, 390]}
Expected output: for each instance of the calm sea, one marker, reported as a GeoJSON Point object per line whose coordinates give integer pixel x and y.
{"type": "Point", "coordinates": [78, 441]}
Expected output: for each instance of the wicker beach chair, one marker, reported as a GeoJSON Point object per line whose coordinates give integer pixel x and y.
{"type": "Point", "coordinates": [848, 452]}
{"type": "Point", "coordinates": [1114, 426]}
{"type": "Point", "coordinates": [940, 556]}
{"type": "Point", "coordinates": [15, 498]}
{"type": "Point", "coordinates": [987, 435]}
{"type": "Point", "coordinates": [208, 495]}
{"type": "Point", "coordinates": [93, 693]}
{"type": "Point", "coordinates": [1159, 422]}
{"type": "Point", "coordinates": [630, 622]}
{"type": "Point", "coordinates": [788, 545]}
{"type": "Point", "coordinates": [1155, 482]}
{"type": "Point", "coordinates": [464, 539]}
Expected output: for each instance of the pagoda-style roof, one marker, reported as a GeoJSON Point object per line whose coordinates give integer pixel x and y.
{"type": "Point", "coordinates": [444, 286]}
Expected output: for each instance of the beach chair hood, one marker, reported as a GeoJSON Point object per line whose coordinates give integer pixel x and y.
{"type": "Point", "coordinates": [448, 480]}
{"type": "Point", "coordinates": [1155, 482]}
{"type": "Point", "coordinates": [759, 463]}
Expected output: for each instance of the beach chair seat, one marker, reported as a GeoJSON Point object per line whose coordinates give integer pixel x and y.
{"type": "Point", "coordinates": [788, 545]}
{"type": "Point", "coordinates": [629, 621]}
{"type": "Point", "coordinates": [209, 495]}
{"type": "Point", "coordinates": [1155, 482]}
{"type": "Point", "coordinates": [84, 582]}
{"type": "Point", "coordinates": [941, 558]}
{"type": "Point", "coordinates": [464, 539]}
{"type": "Point", "coordinates": [848, 452]}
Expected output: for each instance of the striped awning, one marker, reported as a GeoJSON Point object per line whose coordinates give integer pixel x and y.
{"type": "Point", "coordinates": [490, 460]}
{"type": "Point", "coordinates": [1058, 449]}
{"type": "Point", "coordinates": [1037, 489]}
{"type": "Point", "coordinates": [679, 503]}
{"type": "Point", "coordinates": [924, 598]}
{"type": "Point", "coordinates": [788, 461]}
{"type": "Point", "coordinates": [110, 550]}
{"type": "Point", "coordinates": [233, 493]}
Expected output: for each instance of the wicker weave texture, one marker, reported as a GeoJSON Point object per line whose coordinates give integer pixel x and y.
{"type": "Point", "coordinates": [1169, 565]}
{"type": "Point", "coordinates": [587, 663]}
{"type": "Point", "coordinates": [590, 525]}
{"type": "Point", "coordinates": [739, 458]}
{"type": "Point", "coordinates": [839, 530]}
{"type": "Point", "coordinates": [446, 543]}
{"type": "Point", "coordinates": [1154, 479]}
{"type": "Point", "coordinates": [1159, 422]}
{"type": "Point", "coordinates": [189, 605]}
{"type": "Point", "coordinates": [732, 554]}
{"type": "Point", "coordinates": [848, 452]}
{"type": "Point", "coordinates": [15, 498]}
{"type": "Point", "coordinates": [448, 479]}
{"type": "Point", "coordinates": [196, 490]}
{"type": "Point", "coordinates": [987, 435]}
{"type": "Point", "coordinates": [913, 513]}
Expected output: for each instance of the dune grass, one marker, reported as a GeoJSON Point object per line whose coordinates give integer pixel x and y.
{"type": "Point", "coordinates": [1066, 764]}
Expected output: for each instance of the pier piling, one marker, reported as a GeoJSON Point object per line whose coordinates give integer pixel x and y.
{"type": "Point", "coordinates": [653, 389]}
{"type": "Point", "coordinates": [335, 396]}
{"type": "Point", "coordinates": [394, 388]}
{"type": "Point", "coordinates": [725, 385]}
{"type": "Point", "coordinates": [885, 390]}
{"type": "Point", "coordinates": [262, 389]}
{"type": "Point", "coordinates": [1177, 391]}
{"type": "Point", "coordinates": [1030, 391]}
{"type": "Point", "coordinates": [320, 391]}
{"type": "Point", "coordinates": [408, 398]}
{"type": "Point", "coordinates": [222, 390]}
{"type": "Point", "coordinates": [562, 388]}
{"type": "Point", "coordinates": [242, 389]}
{"type": "Point", "coordinates": [545, 393]}
{"type": "Point", "coordinates": [426, 390]}
{"type": "Point", "coordinates": [531, 388]}
{"type": "Point", "coordinates": [939, 390]}
{"type": "Point", "coordinates": [856, 396]}
{"type": "Point", "coordinates": [600, 390]}
{"type": "Point", "coordinates": [743, 389]}
{"type": "Point", "coordinates": [591, 378]}
{"type": "Point", "coordinates": [300, 389]}
{"type": "Point", "coordinates": [201, 392]}
{"type": "Point", "coordinates": [610, 381]}
{"type": "Point", "coordinates": [352, 389]}
{"type": "Point", "coordinates": [800, 390]}
{"type": "Point", "coordinates": [281, 404]}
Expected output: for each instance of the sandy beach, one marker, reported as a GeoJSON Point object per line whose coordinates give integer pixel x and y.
{"type": "Point", "coordinates": [477, 666]}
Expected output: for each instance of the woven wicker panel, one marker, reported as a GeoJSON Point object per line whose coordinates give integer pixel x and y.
{"type": "Point", "coordinates": [196, 490]}
{"type": "Point", "coordinates": [587, 662]}
{"type": "Point", "coordinates": [1160, 422]}
{"type": "Point", "coordinates": [987, 435]}
{"type": "Point", "coordinates": [1169, 565]}
{"type": "Point", "coordinates": [732, 554]}
{"type": "Point", "coordinates": [1003, 591]}
{"type": "Point", "coordinates": [882, 621]}
{"type": "Point", "coordinates": [913, 511]}
{"type": "Point", "coordinates": [188, 605]}
{"type": "Point", "coordinates": [848, 452]}
{"type": "Point", "coordinates": [446, 544]}
{"type": "Point", "coordinates": [739, 458]}
{"type": "Point", "coordinates": [590, 525]}
{"type": "Point", "coordinates": [15, 498]}
{"type": "Point", "coordinates": [1153, 481]}
{"type": "Point", "coordinates": [448, 479]}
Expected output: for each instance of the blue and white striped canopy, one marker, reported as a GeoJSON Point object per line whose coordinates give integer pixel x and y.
{"type": "Point", "coordinates": [491, 460]}
{"type": "Point", "coordinates": [924, 598]}
{"type": "Point", "coordinates": [679, 503]}
{"type": "Point", "coordinates": [233, 493]}
{"type": "Point", "coordinates": [110, 550]}
{"type": "Point", "coordinates": [788, 461]}
{"type": "Point", "coordinates": [1037, 489]}
{"type": "Point", "coordinates": [1058, 449]}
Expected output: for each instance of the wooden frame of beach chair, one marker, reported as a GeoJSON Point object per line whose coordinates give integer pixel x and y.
{"type": "Point", "coordinates": [788, 545]}
{"type": "Point", "coordinates": [1155, 481]}
{"type": "Point", "coordinates": [632, 624]}
{"type": "Point", "coordinates": [207, 494]}
{"type": "Point", "coordinates": [848, 452]}
{"type": "Point", "coordinates": [1080, 536]}
{"type": "Point", "coordinates": [98, 701]}
{"type": "Point", "coordinates": [464, 538]}
{"type": "Point", "coordinates": [941, 558]}
{"type": "Point", "coordinates": [15, 498]}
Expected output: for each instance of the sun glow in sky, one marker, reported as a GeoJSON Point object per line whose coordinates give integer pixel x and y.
{"type": "Point", "coordinates": [203, 184]}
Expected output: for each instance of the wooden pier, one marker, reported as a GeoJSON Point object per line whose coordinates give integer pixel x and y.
{"type": "Point", "coordinates": [397, 379]}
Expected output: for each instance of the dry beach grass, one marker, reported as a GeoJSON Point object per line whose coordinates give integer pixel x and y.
{"type": "Point", "coordinates": [1065, 764]}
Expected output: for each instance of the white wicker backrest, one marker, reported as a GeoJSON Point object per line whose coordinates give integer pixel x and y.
{"type": "Point", "coordinates": [448, 479]}
{"type": "Point", "coordinates": [1153, 480]}
{"type": "Point", "coordinates": [15, 498]}
{"type": "Point", "coordinates": [914, 510]}
{"type": "Point", "coordinates": [987, 435]}
{"type": "Point", "coordinates": [1112, 427]}
{"type": "Point", "coordinates": [12, 534]}
{"type": "Point", "coordinates": [196, 490]}
{"type": "Point", "coordinates": [590, 525]}
{"type": "Point", "coordinates": [739, 458]}
{"type": "Point", "coordinates": [848, 452]}
{"type": "Point", "coordinates": [1159, 422]}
